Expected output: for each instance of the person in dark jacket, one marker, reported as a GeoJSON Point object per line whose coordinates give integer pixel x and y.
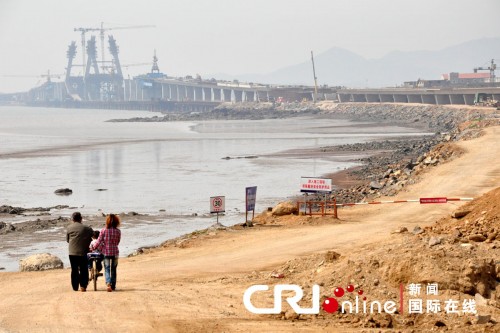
{"type": "Point", "coordinates": [79, 237]}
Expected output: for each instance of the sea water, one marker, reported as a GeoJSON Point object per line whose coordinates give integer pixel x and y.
{"type": "Point", "coordinates": [166, 169]}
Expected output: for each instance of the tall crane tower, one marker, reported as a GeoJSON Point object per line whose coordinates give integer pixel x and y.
{"type": "Point", "coordinates": [101, 30]}
{"type": "Point", "coordinates": [315, 78]}
{"type": "Point", "coordinates": [492, 69]}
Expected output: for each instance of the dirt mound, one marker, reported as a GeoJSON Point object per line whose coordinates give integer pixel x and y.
{"type": "Point", "coordinates": [478, 220]}
{"type": "Point", "coordinates": [268, 218]}
{"type": "Point", "coordinates": [462, 270]}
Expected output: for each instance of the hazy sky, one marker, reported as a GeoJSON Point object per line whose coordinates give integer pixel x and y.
{"type": "Point", "coordinates": [231, 36]}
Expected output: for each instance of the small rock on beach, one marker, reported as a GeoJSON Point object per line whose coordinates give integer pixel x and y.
{"type": "Point", "coordinates": [63, 191]}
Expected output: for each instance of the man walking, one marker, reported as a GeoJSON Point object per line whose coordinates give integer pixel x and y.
{"type": "Point", "coordinates": [79, 237]}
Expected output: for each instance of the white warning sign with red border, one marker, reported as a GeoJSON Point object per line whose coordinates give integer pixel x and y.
{"type": "Point", "coordinates": [217, 204]}
{"type": "Point", "coordinates": [315, 185]}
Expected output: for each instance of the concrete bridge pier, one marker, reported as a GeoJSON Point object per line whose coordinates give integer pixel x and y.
{"type": "Point", "coordinates": [198, 94]}
{"type": "Point", "coordinates": [217, 95]}
{"type": "Point", "coordinates": [400, 98]}
{"type": "Point", "coordinates": [386, 98]}
{"type": "Point", "coordinates": [190, 93]}
{"type": "Point", "coordinates": [249, 96]}
{"type": "Point", "coordinates": [127, 89]}
{"type": "Point", "coordinates": [415, 99]}
{"type": "Point", "coordinates": [170, 92]}
{"type": "Point", "coordinates": [262, 96]}
{"type": "Point", "coordinates": [207, 95]}
{"type": "Point", "coordinates": [469, 99]}
{"type": "Point", "coordinates": [443, 99]}
{"type": "Point", "coordinates": [166, 92]}
{"type": "Point", "coordinates": [372, 98]}
{"type": "Point", "coordinates": [227, 95]}
{"type": "Point", "coordinates": [174, 93]}
{"type": "Point", "coordinates": [238, 95]}
{"type": "Point", "coordinates": [457, 99]}
{"type": "Point", "coordinates": [184, 93]}
{"type": "Point", "coordinates": [157, 91]}
{"type": "Point", "coordinates": [136, 93]}
{"type": "Point", "coordinates": [344, 98]}
{"type": "Point", "coordinates": [428, 99]}
{"type": "Point", "coordinates": [359, 98]}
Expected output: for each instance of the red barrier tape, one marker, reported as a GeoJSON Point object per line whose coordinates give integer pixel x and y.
{"type": "Point", "coordinates": [421, 201]}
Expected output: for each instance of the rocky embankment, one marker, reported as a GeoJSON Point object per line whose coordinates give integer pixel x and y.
{"type": "Point", "coordinates": [434, 118]}
{"type": "Point", "coordinates": [32, 220]}
{"type": "Point", "coordinates": [398, 165]}
{"type": "Point", "coordinates": [428, 117]}
{"type": "Point", "coordinates": [43, 220]}
{"type": "Point", "coordinates": [392, 164]}
{"type": "Point", "coordinates": [33, 225]}
{"type": "Point", "coordinates": [5, 209]}
{"type": "Point", "coordinates": [229, 111]}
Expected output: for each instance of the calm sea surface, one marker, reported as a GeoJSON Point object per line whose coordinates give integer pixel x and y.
{"type": "Point", "coordinates": [148, 167]}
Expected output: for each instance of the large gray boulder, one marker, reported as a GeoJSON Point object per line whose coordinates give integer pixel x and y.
{"type": "Point", "coordinates": [40, 262]}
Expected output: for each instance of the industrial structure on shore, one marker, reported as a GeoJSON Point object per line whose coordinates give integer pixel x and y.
{"type": "Point", "coordinates": [102, 85]}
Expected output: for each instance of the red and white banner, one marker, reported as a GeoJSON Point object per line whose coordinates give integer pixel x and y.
{"type": "Point", "coordinates": [315, 185]}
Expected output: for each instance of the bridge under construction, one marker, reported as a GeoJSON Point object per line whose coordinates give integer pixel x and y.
{"type": "Point", "coordinates": [102, 85]}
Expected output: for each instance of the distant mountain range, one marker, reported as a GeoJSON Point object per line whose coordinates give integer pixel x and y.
{"type": "Point", "coordinates": [340, 67]}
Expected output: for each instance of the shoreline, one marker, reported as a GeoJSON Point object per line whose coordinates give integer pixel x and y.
{"type": "Point", "coordinates": [351, 184]}
{"type": "Point", "coordinates": [348, 180]}
{"type": "Point", "coordinates": [197, 284]}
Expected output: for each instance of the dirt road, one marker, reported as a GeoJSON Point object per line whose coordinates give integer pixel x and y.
{"type": "Point", "coordinates": [200, 288]}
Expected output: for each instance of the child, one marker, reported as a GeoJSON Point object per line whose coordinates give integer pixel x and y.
{"type": "Point", "coordinates": [96, 254]}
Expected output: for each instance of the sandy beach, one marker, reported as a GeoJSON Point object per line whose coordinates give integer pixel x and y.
{"type": "Point", "coordinates": [197, 283]}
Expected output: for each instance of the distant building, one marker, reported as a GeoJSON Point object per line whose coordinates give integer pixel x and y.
{"type": "Point", "coordinates": [426, 84]}
{"type": "Point", "coordinates": [455, 80]}
{"type": "Point", "coordinates": [466, 79]}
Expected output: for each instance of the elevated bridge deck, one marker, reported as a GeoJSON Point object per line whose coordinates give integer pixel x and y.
{"type": "Point", "coordinates": [456, 96]}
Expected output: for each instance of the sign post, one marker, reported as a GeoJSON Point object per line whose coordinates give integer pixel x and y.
{"type": "Point", "coordinates": [250, 198]}
{"type": "Point", "coordinates": [217, 205]}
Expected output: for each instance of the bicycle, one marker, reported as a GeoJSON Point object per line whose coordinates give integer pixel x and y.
{"type": "Point", "coordinates": [94, 259]}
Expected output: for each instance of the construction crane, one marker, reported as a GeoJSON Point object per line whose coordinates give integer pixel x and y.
{"type": "Point", "coordinates": [136, 64]}
{"type": "Point", "coordinates": [315, 78]}
{"type": "Point", "coordinates": [82, 33]}
{"type": "Point", "coordinates": [48, 76]}
{"type": "Point", "coordinates": [492, 69]}
{"type": "Point", "coordinates": [101, 30]}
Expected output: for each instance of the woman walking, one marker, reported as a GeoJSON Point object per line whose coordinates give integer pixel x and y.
{"type": "Point", "coordinates": [108, 240]}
